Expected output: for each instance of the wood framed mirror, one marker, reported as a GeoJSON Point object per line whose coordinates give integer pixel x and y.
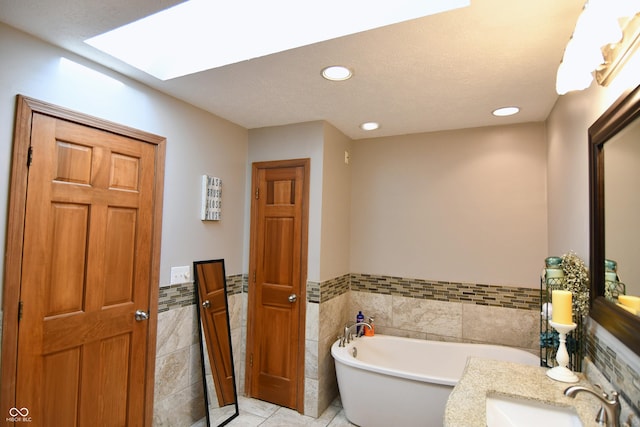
{"type": "Point", "coordinates": [218, 373]}
{"type": "Point", "coordinates": [614, 179]}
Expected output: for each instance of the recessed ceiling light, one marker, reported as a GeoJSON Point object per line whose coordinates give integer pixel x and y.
{"type": "Point", "coordinates": [336, 73]}
{"type": "Point", "coordinates": [506, 111]}
{"type": "Point", "coordinates": [198, 35]}
{"type": "Point", "coordinates": [370, 126]}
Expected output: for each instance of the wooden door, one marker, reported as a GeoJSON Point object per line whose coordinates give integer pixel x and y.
{"type": "Point", "coordinates": [89, 263]}
{"type": "Point", "coordinates": [212, 294]}
{"type": "Point", "coordinates": [277, 293]}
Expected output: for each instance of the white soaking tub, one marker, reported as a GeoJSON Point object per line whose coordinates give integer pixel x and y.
{"type": "Point", "coordinates": [394, 381]}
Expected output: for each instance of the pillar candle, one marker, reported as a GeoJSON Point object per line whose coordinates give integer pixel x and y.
{"type": "Point", "coordinates": [630, 301]}
{"type": "Point", "coordinates": [561, 307]}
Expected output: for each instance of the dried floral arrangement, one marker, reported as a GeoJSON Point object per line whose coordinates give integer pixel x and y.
{"type": "Point", "coordinates": [576, 280]}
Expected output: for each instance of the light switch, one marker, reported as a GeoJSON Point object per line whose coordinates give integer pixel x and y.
{"type": "Point", "coordinates": [180, 274]}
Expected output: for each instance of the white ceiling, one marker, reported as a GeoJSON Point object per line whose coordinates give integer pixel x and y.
{"type": "Point", "coordinates": [447, 71]}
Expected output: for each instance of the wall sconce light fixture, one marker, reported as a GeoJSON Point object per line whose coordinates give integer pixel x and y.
{"type": "Point", "coordinates": [605, 37]}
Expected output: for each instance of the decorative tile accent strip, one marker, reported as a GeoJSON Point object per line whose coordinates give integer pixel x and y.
{"type": "Point", "coordinates": [322, 292]}
{"type": "Point", "coordinates": [616, 371]}
{"type": "Point", "coordinates": [235, 283]}
{"type": "Point", "coordinates": [472, 293]}
{"type": "Point", "coordinates": [335, 287]}
{"type": "Point", "coordinates": [313, 291]}
{"type": "Point", "coordinates": [245, 283]}
{"type": "Point", "coordinates": [176, 296]}
{"type": "Point", "coordinates": [183, 294]}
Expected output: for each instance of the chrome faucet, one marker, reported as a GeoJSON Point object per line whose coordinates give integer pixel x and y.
{"type": "Point", "coordinates": [609, 413]}
{"type": "Point", "coordinates": [346, 337]}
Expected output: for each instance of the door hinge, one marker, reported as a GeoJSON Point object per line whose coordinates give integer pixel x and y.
{"type": "Point", "coordinates": [30, 156]}
{"type": "Point", "coordinates": [19, 310]}
{"type": "Point", "coordinates": [257, 193]}
{"type": "Point", "coordinates": [254, 277]}
{"type": "Point", "coordinates": [251, 360]}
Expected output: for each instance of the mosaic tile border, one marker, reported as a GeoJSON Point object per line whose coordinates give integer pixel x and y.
{"type": "Point", "coordinates": [322, 292]}
{"type": "Point", "coordinates": [183, 294]}
{"type": "Point", "coordinates": [176, 296]}
{"type": "Point", "coordinates": [313, 291]}
{"type": "Point", "coordinates": [471, 293]}
{"type": "Point", "coordinates": [236, 284]}
{"type": "Point", "coordinates": [615, 370]}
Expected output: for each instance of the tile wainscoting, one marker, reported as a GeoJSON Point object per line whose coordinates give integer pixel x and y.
{"type": "Point", "coordinates": [616, 363]}
{"type": "Point", "coordinates": [470, 293]}
{"type": "Point", "coordinates": [178, 396]}
{"type": "Point", "coordinates": [417, 308]}
{"type": "Point", "coordinates": [400, 306]}
{"type": "Point", "coordinates": [183, 294]}
{"type": "Point", "coordinates": [406, 307]}
{"type": "Point", "coordinates": [435, 310]}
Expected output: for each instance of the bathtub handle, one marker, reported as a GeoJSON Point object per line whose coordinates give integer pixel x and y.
{"type": "Point", "coordinates": [293, 298]}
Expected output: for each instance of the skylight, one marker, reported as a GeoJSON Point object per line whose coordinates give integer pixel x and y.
{"type": "Point", "coordinates": [202, 34]}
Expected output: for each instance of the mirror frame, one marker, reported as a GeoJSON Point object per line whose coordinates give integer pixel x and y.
{"type": "Point", "coordinates": [203, 344]}
{"type": "Point", "coordinates": [622, 324]}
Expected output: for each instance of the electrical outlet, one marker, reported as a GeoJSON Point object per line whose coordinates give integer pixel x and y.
{"type": "Point", "coordinates": [180, 275]}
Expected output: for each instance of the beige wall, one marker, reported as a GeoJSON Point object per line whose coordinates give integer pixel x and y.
{"type": "Point", "coordinates": [298, 141]}
{"type": "Point", "coordinates": [568, 174]}
{"type": "Point", "coordinates": [336, 204]}
{"type": "Point", "coordinates": [465, 206]}
{"type": "Point", "coordinates": [330, 188]}
{"type": "Point", "coordinates": [197, 143]}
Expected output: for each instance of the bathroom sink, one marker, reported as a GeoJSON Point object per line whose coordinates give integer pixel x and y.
{"type": "Point", "coordinates": [505, 411]}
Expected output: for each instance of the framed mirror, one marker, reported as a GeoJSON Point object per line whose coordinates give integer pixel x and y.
{"type": "Point", "coordinates": [218, 374]}
{"type": "Point", "coordinates": [614, 179]}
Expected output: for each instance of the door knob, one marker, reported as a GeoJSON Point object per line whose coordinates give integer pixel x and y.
{"type": "Point", "coordinates": [293, 298]}
{"type": "Point", "coordinates": [141, 315]}
{"type": "Point", "coordinates": [206, 304]}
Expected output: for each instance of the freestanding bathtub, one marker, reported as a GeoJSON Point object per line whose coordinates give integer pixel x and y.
{"type": "Point", "coordinates": [406, 382]}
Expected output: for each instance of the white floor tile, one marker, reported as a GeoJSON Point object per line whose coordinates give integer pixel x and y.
{"type": "Point", "coordinates": [256, 407]}
{"type": "Point", "coordinates": [254, 413]}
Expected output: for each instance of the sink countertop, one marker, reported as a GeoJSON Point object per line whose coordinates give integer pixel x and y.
{"type": "Point", "coordinates": [466, 406]}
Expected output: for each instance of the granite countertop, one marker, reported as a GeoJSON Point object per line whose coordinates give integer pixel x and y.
{"type": "Point", "coordinates": [466, 406]}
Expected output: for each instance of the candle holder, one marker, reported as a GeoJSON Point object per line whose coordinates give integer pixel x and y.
{"type": "Point", "coordinates": [561, 372]}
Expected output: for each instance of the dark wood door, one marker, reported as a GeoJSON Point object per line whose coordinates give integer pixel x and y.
{"type": "Point", "coordinates": [83, 356]}
{"type": "Point", "coordinates": [275, 356]}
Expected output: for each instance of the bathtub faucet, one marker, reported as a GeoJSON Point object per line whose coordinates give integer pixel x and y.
{"type": "Point", "coordinates": [609, 414]}
{"type": "Point", "coordinates": [346, 338]}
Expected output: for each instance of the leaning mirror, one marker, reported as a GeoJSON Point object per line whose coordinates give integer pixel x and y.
{"type": "Point", "coordinates": [219, 383]}
{"type": "Point", "coordinates": [614, 177]}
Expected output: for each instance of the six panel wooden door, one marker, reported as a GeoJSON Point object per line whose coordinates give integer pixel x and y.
{"type": "Point", "coordinates": [276, 336]}
{"type": "Point", "coordinates": [86, 271]}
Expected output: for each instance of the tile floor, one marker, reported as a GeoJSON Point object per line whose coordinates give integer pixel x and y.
{"type": "Point", "coordinates": [255, 413]}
